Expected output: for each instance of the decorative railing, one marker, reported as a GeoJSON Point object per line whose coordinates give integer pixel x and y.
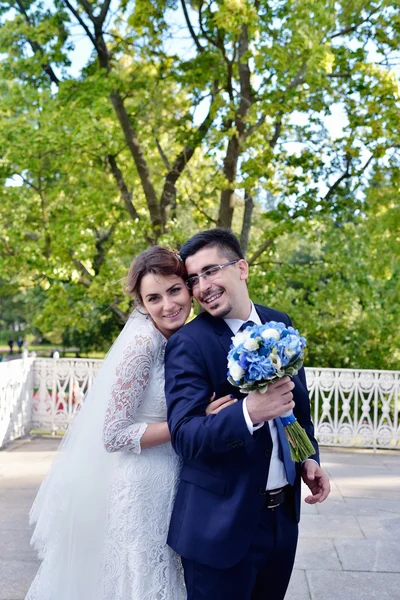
{"type": "Point", "coordinates": [358, 408]}
{"type": "Point", "coordinates": [59, 387]}
{"type": "Point", "coordinates": [15, 398]}
{"type": "Point", "coordinates": [355, 407]}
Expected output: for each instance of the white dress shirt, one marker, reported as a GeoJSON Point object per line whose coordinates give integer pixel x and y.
{"type": "Point", "coordinates": [277, 473]}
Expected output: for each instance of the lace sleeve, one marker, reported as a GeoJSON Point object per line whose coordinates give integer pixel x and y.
{"type": "Point", "coordinates": [131, 379]}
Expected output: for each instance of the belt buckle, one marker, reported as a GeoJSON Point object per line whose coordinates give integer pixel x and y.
{"type": "Point", "coordinates": [275, 493]}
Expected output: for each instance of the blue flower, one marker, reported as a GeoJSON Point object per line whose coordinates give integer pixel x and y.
{"type": "Point", "coordinates": [260, 370]}
{"type": "Point", "coordinates": [277, 346]}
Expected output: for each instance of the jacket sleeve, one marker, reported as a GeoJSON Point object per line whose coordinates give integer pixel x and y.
{"type": "Point", "coordinates": [188, 390]}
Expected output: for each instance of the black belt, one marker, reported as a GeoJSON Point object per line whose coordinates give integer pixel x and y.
{"type": "Point", "coordinates": [274, 498]}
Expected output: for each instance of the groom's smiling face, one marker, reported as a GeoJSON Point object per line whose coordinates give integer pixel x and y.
{"type": "Point", "coordinates": [223, 294]}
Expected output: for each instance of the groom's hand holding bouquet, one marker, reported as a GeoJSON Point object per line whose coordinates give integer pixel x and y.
{"type": "Point", "coordinates": [276, 401]}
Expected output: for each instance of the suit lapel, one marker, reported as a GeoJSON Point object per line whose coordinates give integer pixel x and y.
{"type": "Point", "coordinates": [223, 333]}
{"type": "Point", "coordinates": [263, 313]}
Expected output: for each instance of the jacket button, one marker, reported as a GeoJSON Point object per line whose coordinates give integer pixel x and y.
{"type": "Point", "coordinates": [262, 491]}
{"type": "Point", "coordinates": [268, 453]}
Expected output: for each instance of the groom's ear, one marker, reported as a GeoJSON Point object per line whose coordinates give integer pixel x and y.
{"type": "Point", "coordinates": [243, 269]}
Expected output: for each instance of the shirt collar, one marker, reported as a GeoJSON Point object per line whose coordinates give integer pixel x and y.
{"type": "Point", "coordinates": [235, 324]}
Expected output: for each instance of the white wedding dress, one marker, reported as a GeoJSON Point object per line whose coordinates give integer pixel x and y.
{"type": "Point", "coordinates": [134, 561]}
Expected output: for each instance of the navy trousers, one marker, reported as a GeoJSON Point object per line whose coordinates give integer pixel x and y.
{"type": "Point", "coordinates": [264, 572]}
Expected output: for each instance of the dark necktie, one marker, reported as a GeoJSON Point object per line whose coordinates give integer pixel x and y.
{"type": "Point", "coordinates": [246, 324]}
{"type": "Point", "coordinates": [284, 452]}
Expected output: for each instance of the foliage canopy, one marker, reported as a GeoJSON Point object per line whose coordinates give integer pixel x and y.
{"type": "Point", "coordinates": [278, 119]}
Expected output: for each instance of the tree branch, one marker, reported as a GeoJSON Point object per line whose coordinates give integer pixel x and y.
{"type": "Point", "coordinates": [142, 167]}
{"type": "Point", "coordinates": [37, 48]}
{"type": "Point", "coordinates": [260, 251]}
{"type": "Point", "coordinates": [352, 28]}
{"type": "Point", "coordinates": [235, 144]}
{"type": "Point", "coordinates": [29, 183]}
{"type": "Point", "coordinates": [88, 9]}
{"type": "Point", "coordinates": [123, 316]}
{"type": "Point", "coordinates": [297, 79]}
{"type": "Point", "coordinates": [126, 195]}
{"type": "Point", "coordinates": [9, 251]}
{"type": "Point", "coordinates": [246, 224]}
{"type": "Point", "coordinates": [81, 22]}
{"type": "Point", "coordinates": [208, 38]}
{"type": "Point", "coordinates": [87, 277]}
{"type": "Point", "coordinates": [345, 75]}
{"type": "Point", "coordinates": [277, 132]}
{"type": "Point", "coordinates": [168, 195]}
{"type": "Point", "coordinates": [246, 90]}
{"type": "Point", "coordinates": [190, 27]}
{"type": "Point", "coordinates": [32, 236]}
{"type": "Point", "coordinates": [347, 175]}
{"type": "Point", "coordinates": [335, 185]}
{"type": "Point", "coordinates": [101, 239]}
{"type": "Point", "coordinates": [103, 12]}
{"type": "Point", "coordinates": [161, 152]}
{"type": "Point", "coordinates": [254, 127]}
{"type": "Point", "coordinates": [129, 132]}
{"type": "Point", "coordinates": [201, 211]}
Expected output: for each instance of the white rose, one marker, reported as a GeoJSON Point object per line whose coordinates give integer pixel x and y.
{"type": "Point", "coordinates": [236, 371]}
{"type": "Point", "coordinates": [289, 352]}
{"type": "Point", "coordinates": [251, 344]}
{"type": "Point", "coordinates": [240, 338]}
{"type": "Point", "coordinates": [271, 333]}
{"type": "Point", "coordinates": [276, 361]}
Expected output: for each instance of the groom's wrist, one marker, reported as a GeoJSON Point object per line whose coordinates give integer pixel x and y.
{"type": "Point", "coordinates": [252, 427]}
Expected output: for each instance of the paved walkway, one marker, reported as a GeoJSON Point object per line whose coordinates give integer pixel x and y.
{"type": "Point", "coordinates": [349, 546]}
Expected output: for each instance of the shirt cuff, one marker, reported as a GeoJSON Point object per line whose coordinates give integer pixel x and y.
{"type": "Point", "coordinates": [252, 428]}
{"type": "Point", "coordinates": [310, 459]}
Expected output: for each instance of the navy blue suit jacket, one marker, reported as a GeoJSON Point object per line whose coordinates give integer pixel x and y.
{"type": "Point", "coordinates": [222, 484]}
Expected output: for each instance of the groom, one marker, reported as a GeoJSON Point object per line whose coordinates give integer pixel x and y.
{"type": "Point", "coordinates": [235, 518]}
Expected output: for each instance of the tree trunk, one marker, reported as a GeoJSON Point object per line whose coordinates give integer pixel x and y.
{"type": "Point", "coordinates": [140, 162]}
{"type": "Point", "coordinates": [168, 196]}
{"type": "Point", "coordinates": [227, 203]}
{"type": "Point", "coordinates": [246, 225]}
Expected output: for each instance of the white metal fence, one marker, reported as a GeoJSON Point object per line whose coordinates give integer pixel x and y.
{"type": "Point", "coordinates": [358, 408]}
{"type": "Point", "coordinates": [59, 387]}
{"type": "Point", "coordinates": [15, 398]}
{"type": "Point", "coordinates": [355, 407]}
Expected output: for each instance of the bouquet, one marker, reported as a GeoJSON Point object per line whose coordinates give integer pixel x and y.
{"type": "Point", "coordinates": [262, 354]}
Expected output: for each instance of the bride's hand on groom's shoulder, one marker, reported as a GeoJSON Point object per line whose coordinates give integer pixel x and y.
{"type": "Point", "coordinates": [216, 405]}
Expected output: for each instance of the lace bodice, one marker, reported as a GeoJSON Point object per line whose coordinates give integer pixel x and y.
{"type": "Point", "coordinates": [137, 395]}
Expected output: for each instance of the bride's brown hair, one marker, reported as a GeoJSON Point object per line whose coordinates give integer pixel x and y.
{"type": "Point", "coordinates": [156, 260]}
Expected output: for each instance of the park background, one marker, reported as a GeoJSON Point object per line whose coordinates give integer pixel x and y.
{"type": "Point", "coordinates": [129, 123]}
{"type": "Point", "coordinates": [125, 124]}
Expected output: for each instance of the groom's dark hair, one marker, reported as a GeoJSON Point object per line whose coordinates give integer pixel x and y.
{"type": "Point", "coordinates": [223, 239]}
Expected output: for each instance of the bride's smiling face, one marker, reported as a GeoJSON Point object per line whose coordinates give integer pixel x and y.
{"type": "Point", "coordinates": [167, 300]}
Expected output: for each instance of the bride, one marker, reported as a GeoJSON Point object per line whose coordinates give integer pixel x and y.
{"type": "Point", "coordinates": [102, 513]}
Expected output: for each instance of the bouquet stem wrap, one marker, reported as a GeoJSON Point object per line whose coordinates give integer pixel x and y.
{"type": "Point", "coordinates": [300, 446]}
{"type": "Point", "coordinates": [262, 354]}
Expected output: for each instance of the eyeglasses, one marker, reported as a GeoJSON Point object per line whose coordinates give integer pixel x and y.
{"type": "Point", "coordinates": [191, 282]}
